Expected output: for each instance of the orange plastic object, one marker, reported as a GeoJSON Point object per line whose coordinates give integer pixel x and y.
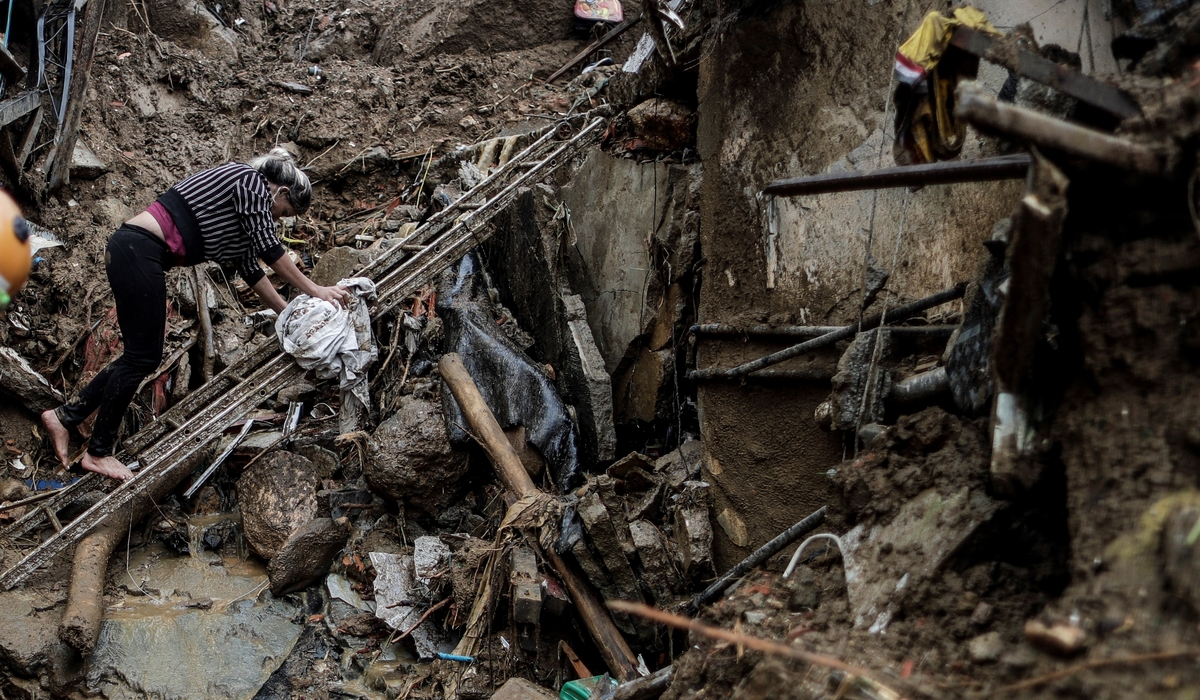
{"type": "Point", "coordinates": [15, 257]}
{"type": "Point", "coordinates": [599, 10]}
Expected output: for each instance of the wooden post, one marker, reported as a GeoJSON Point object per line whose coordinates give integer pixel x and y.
{"type": "Point", "coordinates": [613, 647]}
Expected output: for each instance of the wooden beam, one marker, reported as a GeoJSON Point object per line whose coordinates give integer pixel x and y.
{"type": "Point", "coordinates": [9, 67]}
{"type": "Point", "coordinates": [14, 108]}
{"type": "Point", "coordinates": [985, 111]}
{"type": "Point", "coordinates": [29, 138]}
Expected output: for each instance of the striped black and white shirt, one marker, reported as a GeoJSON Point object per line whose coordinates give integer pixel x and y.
{"type": "Point", "coordinates": [224, 214]}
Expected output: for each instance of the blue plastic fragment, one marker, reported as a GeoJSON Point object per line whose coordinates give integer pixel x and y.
{"type": "Point", "coordinates": [456, 657]}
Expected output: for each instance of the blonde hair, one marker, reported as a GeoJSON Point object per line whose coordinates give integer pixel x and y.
{"type": "Point", "coordinates": [279, 167]}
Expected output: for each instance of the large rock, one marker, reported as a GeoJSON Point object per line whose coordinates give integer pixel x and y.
{"type": "Point", "coordinates": [409, 458]}
{"type": "Point", "coordinates": [27, 637]}
{"type": "Point", "coordinates": [307, 555]}
{"type": "Point", "coordinates": [277, 495]}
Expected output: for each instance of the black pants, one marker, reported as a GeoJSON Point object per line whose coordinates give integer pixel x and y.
{"type": "Point", "coordinates": [136, 262]}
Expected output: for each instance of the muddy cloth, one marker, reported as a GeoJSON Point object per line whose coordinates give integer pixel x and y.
{"type": "Point", "coordinates": [136, 262]}
{"type": "Point", "coordinates": [515, 388]}
{"type": "Point", "coordinates": [926, 75]}
{"type": "Point", "coordinates": [335, 342]}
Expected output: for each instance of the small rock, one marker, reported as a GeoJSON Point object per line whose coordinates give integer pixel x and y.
{"type": "Point", "coordinates": [277, 495]}
{"type": "Point", "coordinates": [85, 164]}
{"type": "Point", "coordinates": [296, 392]}
{"type": "Point", "coordinates": [521, 689]}
{"type": "Point", "coordinates": [985, 648]}
{"type": "Point", "coordinates": [338, 264]}
{"type": "Point", "coordinates": [467, 122]}
{"type": "Point", "coordinates": [1058, 639]}
{"type": "Point", "coordinates": [306, 556]}
{"type": "Point", "coordinates": [12, 490]}
{"type": "Point", "coordinates": [755, 617]}
{"type": "Point", "coordinates": [982, 614]}
{"type": "Point", "coordinates": [802, 590]}
{"type": "Point", "coordinates": [1018, 659]}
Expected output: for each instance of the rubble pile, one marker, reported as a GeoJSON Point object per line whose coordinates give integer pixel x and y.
{"type": "Point", "coordinates": [525, 476]}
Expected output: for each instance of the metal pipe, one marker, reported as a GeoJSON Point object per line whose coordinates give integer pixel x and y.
{"type": "Point", "coordinates": [757, 557]}
{"type": "Point", "coordinates": [793, 375]}
{"type": "Point", "coordinates": [982, 170]}
{"type": "Point", "coordinates": [722, 329]}
{"type": "Point", "coordinates": [897, 314]}
{"type": "Point", "coordinates": [921, 387]}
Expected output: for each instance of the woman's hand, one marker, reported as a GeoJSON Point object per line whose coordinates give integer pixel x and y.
{"type": "Point", "coordinates": [338, 296]}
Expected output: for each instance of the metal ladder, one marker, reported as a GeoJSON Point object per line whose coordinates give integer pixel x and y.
{"type": "Point", "coordinates": [164, 447]}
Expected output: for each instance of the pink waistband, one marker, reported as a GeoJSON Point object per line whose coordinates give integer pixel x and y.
{"type": "Point", "coordinates": [170, 233]}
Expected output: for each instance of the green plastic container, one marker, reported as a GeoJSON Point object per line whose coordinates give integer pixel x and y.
{"type": "Point", "coordinates": [581, 689]}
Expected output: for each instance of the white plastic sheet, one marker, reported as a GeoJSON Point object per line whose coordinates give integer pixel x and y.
{"type": "Point", "coordinates": [335, 343]}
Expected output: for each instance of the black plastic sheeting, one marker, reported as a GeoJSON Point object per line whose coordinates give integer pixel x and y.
{"type": "Point", "coordinates": [514, 386]}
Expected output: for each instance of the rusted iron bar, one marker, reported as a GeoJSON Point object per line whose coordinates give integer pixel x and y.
{"type": "Point", "coordinates": [985, 111]}
{"type": "Point", "coordinates": [1062, 78]}
{"type": "Point", "coordinates": [981, 170]}
{"type": "Point", "coordinates": [595, 46]}
{"type": "Point", "coordinates": [722, 329]}
{"type": "Point", "coordinates": [757, 558]}
{"type": "Point", "coordinates": [892, 316]}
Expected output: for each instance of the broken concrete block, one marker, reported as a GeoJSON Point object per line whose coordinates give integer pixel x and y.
{"type": "Point", "coordinates": [554, 597]}
{"type": "Point", "coordinates": [606, 489]}
{"type": "Point", "coordinates": [85, 164]}
{"type": "Point", "coordinates": [657, 568]}
{"type": "Point", "coordinates": [521, 689]}
{"type": "Point", "coordinates": [277, 495]}
{"type": "Point", "coordinates": [602, 530]}
{"type": "Point", "coordinates": [682, 464]}
{"type": "Point", "coordinates": [526, 587]}
{"type": "Point", "coordinates": [431, 557]}
{"type": "Point", "coordinates": [664, 125]}
{"type": "Point", "coordinates": [395, 591]}
{"type": "Point", "coordinates": [306, 556]}
{"type": "Point", "coordinates": [409, 458]}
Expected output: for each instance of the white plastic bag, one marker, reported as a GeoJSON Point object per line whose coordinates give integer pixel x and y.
{"type": "Point", "coordinates": [334, 343]}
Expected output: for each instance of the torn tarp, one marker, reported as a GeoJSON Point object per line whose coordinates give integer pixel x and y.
{"type": "Point", "coordinates": [334, 342]}
{"type": "Point", "coordinates": [516, 389]}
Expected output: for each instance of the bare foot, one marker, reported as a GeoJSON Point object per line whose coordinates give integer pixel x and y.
{"type": "Point", "coordinates": [58, 436]}
{"type": "Point", "coordinates": [106, 466]}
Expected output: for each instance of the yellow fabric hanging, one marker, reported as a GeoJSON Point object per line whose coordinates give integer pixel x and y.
{"type": "Point", "coordinates": [924, 48]}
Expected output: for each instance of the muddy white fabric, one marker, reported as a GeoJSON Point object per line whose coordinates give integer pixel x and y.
{"type": "Point", "coordinates": [334, 343]}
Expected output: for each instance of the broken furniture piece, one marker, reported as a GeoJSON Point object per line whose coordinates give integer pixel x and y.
{"type": "Point", "coordinates": [1030, 65]}
{"type": "Point", "coordinates": [985, 111]}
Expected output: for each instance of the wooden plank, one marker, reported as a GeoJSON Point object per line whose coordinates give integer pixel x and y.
{"type": "Point", "coordinates": [14, 108]}
{"type": "Point", "coordinates": [29, 138]}
{"type": "Point", "coordinates": [1047, 72]}
{"type": "Point", "coordinates": [9, 67]}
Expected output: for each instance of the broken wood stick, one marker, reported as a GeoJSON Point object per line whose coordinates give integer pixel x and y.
{"type": "Point", "coordinates": [985, 111]}
{"type": "Point", "coordinates": [613, 647]}
{"type": "Point", "coordinates": [491, 437]}
{"type": "Point", "coordinates": [757, 557]}
{"type": "Point", "coordinates": [58, 166]}
{"type": "Point", "coordinates": [595, 46]}
{"type": "Point", "coordinates": [647, 687]}
{"type": "Point", "coordinates": [1099, 663]}
{"type": "Point", "coordinates": [26, 501]}
{"type": "Point", "coordinates": [200, 287]}
{"type": "Point", "coordinates": [80, 627]}
{"type": "Point", "coordinates": [766, 646]}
